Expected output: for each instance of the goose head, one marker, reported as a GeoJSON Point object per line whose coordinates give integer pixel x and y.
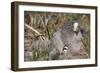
{"type": "Point", "coordinates": [76, 27]}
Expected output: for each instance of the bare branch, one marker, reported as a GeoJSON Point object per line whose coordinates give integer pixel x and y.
{"type": "Point", "coordinates": [33, 29]}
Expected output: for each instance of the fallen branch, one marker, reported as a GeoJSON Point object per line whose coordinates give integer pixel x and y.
{"type": "Point", "coordinates": [34, 30]}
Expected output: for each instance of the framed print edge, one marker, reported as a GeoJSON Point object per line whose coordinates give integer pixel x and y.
{"type": "Point", "coordinates": [96, 35]}
{"type": "Point", "coordinates": [15, 34]}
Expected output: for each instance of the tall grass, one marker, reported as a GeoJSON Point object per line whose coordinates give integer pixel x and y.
{"type": "Point", "coordinates": [86, 43]}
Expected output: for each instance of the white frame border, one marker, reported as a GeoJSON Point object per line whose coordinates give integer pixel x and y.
{"type": "Point", "coordinates": [23, 64]}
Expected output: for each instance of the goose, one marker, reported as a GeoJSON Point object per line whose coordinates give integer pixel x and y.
{"type": "Point", "coordinates": [69, 33]}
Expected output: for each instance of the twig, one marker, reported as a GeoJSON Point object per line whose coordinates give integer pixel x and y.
{"type": "Point", "coordinates": [32, 29]}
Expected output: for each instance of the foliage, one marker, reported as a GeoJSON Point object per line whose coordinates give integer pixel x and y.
{"type": "Point", "coordinates": [86, 43]}
{"type": "Point", "coordinates": [47, 23]}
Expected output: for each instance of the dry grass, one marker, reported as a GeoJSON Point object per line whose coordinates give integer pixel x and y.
{"type": "Point", "coordinates": [41, 49]}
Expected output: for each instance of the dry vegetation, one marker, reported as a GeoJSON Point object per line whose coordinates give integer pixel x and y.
{"type": "Point", "coordinates": [38, 41]}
